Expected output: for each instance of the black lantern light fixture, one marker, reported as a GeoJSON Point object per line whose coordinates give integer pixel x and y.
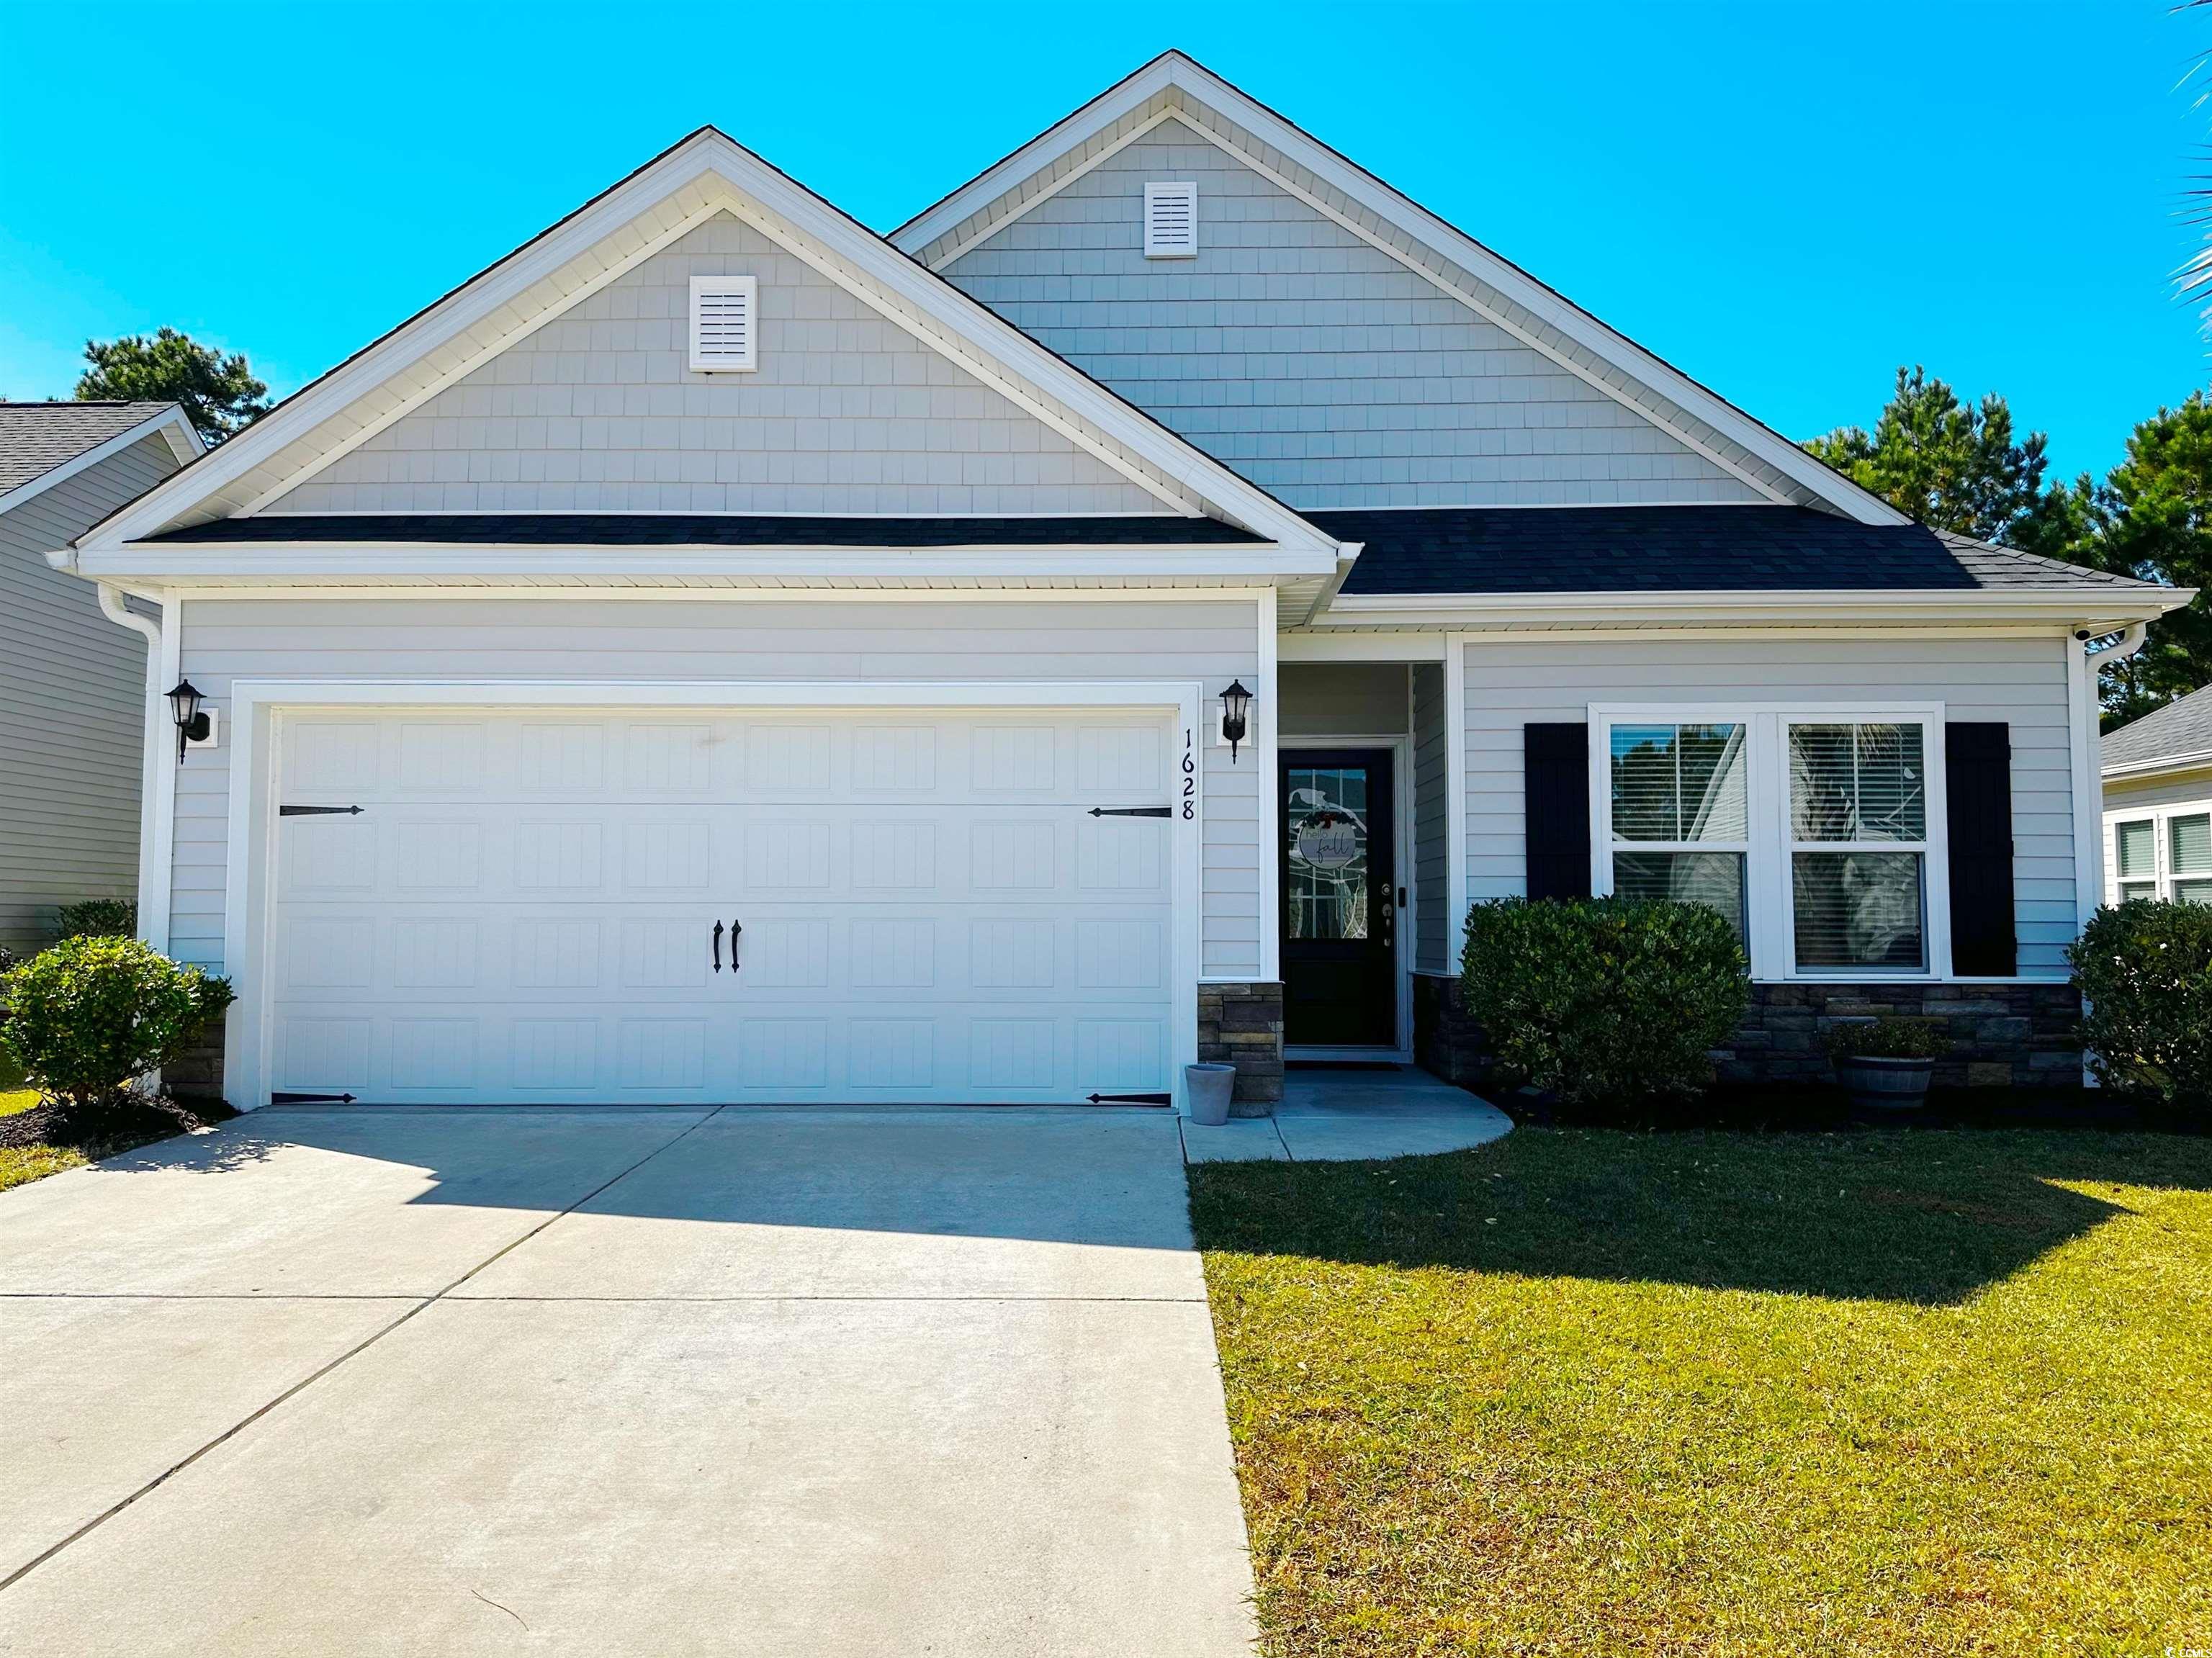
{"type": "Point", "coordinates": [1235, 703]}
{"type": "Point", "coordinates": [192, 725]}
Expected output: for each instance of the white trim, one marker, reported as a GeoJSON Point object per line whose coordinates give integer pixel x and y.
{"type": "Point", "coordinates": [1266, 748]}
{"type": "Point", "coordinates": [258, 707]}
{"type": "Point", "coordinates": [462, 564]}
{"type": "Point", "coordinates": [171, 422]}
{"type": "Point", "coordinates": [1295, 647]}
{"type": "Point", "coordinates": [2161, 817]}
{"type": "Point", "coordinates": [2082, 721]}
{"type": "Point", "coordinates": [602, 594]}
{"type": "Point", "coordinates": [1770, 935]}
{"type": "Point", "coordinates": [2142, 769]}
{"type": "Point", "coordinates": [1456, 802]}
{"type": "Point", "coordinates": [2059, 605]}
{"type": "Point", "coordinates": [1170, 190]}
{"type": "Point", "coordinates": [901, 290]}
{"type": "Point", "coordinates": [1195, 86]}
{"type": "Point", "coordinates": [157, 765]}
{"type": "Point", "coordinates": [983, 233]}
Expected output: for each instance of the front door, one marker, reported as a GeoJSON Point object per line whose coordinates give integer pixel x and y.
{"type": "Point", "coordinates": [1340, 899]}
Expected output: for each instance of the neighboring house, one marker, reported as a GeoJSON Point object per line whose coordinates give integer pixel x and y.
{"type": "Point", "coordinates": [72, 687]}
{"type": "Point", "coordinates": [2158, 805]}
{"type": "Point", "coordinates": [722, 653]}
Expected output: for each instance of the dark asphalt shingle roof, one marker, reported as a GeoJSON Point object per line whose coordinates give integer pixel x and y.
{"type": "Point", "coordinates": [37, 437]}
{"type": "Point", "coordinates": [716, 530]}
{"type": "Point", "coordinates": [2181, 727]}
{"type": "Point", "coordinates": [1558, 549]}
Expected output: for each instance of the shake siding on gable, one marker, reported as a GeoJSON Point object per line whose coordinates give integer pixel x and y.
{"type": "Point", "coordinates": [2021, 681]}
{"type": "Point", "coordinates": [1319, 366]}
{"type": "Point", "coordinates": [597, 410]}
{"type": "Point", "coordinates": [72, 706]}
{"type": "Point", "coordinates": [830, 642]}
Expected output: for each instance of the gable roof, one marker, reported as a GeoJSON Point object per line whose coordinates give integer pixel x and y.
{"type": "Point", "coordinates": [2179, 734]}
{"type": "Point", "coordinates": [703, 174]}
{"type": "Point", "coordinates": [43, 443]}
{"type": "Point", "coordinates": [1175, 87]}
{"type": "Point", "coordinates": [1560, 549]}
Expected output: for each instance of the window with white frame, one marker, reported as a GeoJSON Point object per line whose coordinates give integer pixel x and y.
{"type": "Point", "coordinates": [2164, 855]}
{"type": "Point", "coordinates": [1817, 832]}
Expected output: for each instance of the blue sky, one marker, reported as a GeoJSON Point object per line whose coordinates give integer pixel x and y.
{"type": "Point", "coordinates": [1787, 200]}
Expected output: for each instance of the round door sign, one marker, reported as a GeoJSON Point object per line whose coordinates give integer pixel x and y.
{"type": "Point", "coordinates": [1327, 841]}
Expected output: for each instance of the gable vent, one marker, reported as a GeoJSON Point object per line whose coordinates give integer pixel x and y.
{"type": "Point", "coordinates": [1171, 222]}
{"type": "Point", "coordinates": [724, 323]}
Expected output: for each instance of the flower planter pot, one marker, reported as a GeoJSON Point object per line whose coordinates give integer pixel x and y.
{"type": "Point", "coordinates": [1881, 1084]}
{"type": "Point", "coordinates": [1207, 1088]}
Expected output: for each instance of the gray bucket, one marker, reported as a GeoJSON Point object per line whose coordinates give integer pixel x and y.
{"type": "Point", "coordinates": [1206, 1088]}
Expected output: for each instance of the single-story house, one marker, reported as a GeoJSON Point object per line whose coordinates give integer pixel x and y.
{"type": "Point", "coordinates": [2158, 805]}
{"type": "Point", "coordinates": [72, 685]}
{"type": "Point", "coordinates": [1126, 614]}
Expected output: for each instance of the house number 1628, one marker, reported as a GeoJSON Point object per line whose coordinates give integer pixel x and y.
{"type": "Point", "coordinates": [1189, 776]}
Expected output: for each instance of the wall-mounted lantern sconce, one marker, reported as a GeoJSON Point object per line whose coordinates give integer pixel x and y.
{"type": "Point", "coordinates": [1235, 703]}
{"type": "Point", "coordinates": [192, 725]}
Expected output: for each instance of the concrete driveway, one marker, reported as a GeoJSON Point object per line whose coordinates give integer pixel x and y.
{"type": "Point", "coordinates": [617, 1382]}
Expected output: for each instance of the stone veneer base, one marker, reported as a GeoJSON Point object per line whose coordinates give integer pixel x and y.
{"type": "Point", "coordinates": [2001, 1035]}
{"type": "Point", "coordinates": [1241, 1024]}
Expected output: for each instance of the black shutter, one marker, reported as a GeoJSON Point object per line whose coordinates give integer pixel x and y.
{"type": "Point", "coordinates": [1556, 771]}
{"type": "Point", "coordinates": [1977, 779]}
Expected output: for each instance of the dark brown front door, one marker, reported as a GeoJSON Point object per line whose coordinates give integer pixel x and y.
{"type": "Point", "coordinates": [1340, 899]}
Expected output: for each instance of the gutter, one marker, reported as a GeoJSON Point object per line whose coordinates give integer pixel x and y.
{"type": "Point", "coordinates": [2129, 608]}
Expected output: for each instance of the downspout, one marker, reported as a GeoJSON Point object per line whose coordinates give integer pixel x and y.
{"type": "Point", "coordinates": [156, 779]}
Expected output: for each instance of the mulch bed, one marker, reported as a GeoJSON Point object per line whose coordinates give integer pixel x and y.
{"type": "Point", "coordinates": [1822, 1107]}
{"type": "Point", "coordinates": [101, 1131]}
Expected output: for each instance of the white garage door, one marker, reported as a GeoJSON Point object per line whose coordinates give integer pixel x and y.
{"type": "Point", "coordinates": [525, 909]}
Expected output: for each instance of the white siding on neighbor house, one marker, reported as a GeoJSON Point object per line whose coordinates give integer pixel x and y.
{"type": "Point", "coordinates": [1434, 945]}
{"type": "Point", "coordinates": [2162, 797]}
{"type": "Point", "coordinates": [2020, 680]}
{"type": "Point", "coordinates": [1319, 366]}
{"type": "Point", "coordinates": [1341, 699]}
{"type": "Point", "coordinates": [599, 410]}
{"type": "Point", "coordinates": [72, 706]}
{"type": "Point", "coordinates": [834, 643]}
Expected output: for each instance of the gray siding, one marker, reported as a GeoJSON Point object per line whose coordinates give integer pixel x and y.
{"type": "Point", "coordinates": [72, 706]}
{"type": "Point", "coordinates": [834, 643]}
{"type": "Point", "coordinates": [1341, 699]}
{"type": "Point", "coordinates": [1434, 944]}
{"type": "Point", "coordinates": [596, 410]}
{"type": "Point", "coordinates": [2020, 681]}
{"type": "Point", "coordinates": [1310, 361]}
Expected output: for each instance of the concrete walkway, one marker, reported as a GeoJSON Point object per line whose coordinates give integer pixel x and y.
{"type": "Point", "coordinates": [1349, 1116]}
{"type": "Point", "coordinates": [604, 1381]}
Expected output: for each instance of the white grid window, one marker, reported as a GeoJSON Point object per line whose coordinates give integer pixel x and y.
{"type": "Point", "coordinates": [2163, 854]}
{"type": "Point", "coordinates": [1818, 832]}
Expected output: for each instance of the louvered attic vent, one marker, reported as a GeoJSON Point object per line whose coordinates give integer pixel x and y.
{"type": "Point", "coordinates": [1171, 222]}
{"type": "Point", "coordinates": [724, 320]}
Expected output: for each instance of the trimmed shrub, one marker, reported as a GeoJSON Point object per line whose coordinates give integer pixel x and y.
{"type": "Point", "coordinates": [1605, 999]}
{"type": "Point", "coordinates": [2145, 971]}
{"type": "Point", "coordinates": [100, 917]}
{"type": "Point", "coordinates": [1888, 1037]}
{"type": "Point", "coordinates": [87, 1016]}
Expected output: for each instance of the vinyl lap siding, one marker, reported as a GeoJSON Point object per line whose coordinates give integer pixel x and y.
{"type": "Point", "coordinates": [1435, 946]}
{"type": "Point", "coordinates": [597, 410]}
{"type": "Point", "coordinates": [2021, 682]}
{"type": "Point", "coordinates": [1307, 359]}
{"type": "Point", "coordinates": [72, 691]}
{"type": "Point", "coordinates": [834, 642]}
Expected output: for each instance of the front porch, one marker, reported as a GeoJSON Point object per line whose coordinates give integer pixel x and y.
{"type": "Point", "coordinates": [1343, 1113]}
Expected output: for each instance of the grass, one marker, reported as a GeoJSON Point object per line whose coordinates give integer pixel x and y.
{"type": "Point", "coordinates": [19, 1164]}
{"type": "Point", "coordinates": [51, 1152]}
{"type": "Point", "coordinates": [1591, 1392]}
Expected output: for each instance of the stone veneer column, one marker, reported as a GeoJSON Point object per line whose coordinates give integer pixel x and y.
{"type": "Point", "coordinates": [1241, 1024]}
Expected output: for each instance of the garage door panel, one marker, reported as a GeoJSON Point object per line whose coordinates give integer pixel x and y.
{"type": "Point", "coordinates": [525, 909]}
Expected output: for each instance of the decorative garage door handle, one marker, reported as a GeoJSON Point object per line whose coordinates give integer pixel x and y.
{"type": "Point", "coordinates": [736, 927]}
{"type": "Point", "coordinates": [319, 812]}
{"type": "Point", "coordinates": [1131, 1099]}
{"type": "Point", "coordinates": [1133, 812]}
{"type": "Point", "coordinates": [718, 947]}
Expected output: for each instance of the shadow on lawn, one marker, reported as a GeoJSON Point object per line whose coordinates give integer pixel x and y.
{"type": "Point", "coordinates": [1927, 1216]}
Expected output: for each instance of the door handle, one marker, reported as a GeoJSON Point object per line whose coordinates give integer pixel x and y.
{"type": "Point", "coordinates": [718, 947]}
{"type": "Point", "coordinates": [736, 927]}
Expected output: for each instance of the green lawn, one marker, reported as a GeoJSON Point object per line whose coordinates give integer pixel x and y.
{"type": "Point", "coordinates": [19, 1164]}
{"type": "Point", "coordinates": [1594, 1392]}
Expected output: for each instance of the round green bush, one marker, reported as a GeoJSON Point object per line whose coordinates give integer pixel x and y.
{"type": "Point", "coordinates": [1605, 999]}
{"type": "Point", "coordinates": [2145, 971]}
{"type": "Point", "coordinates": [87, 1016]}
{"type": "Point", "coordinates": [99, 918]}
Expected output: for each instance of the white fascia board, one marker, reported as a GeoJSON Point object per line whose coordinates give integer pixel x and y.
{"type": "Point", "coordinates": [170, 422]}
{"type": "Point", "coordinates": [218, 564]}
{"type": "Point", "coordinates": [2142, 769]}
{"type": "Point", "coordinates": [2058, 606]}
{"type": "Point", "coordinates": [991, 342]}
{"type": "Point", "coordinates": [1208, 90]}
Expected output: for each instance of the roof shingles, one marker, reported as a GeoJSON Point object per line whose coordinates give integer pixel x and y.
{"type": "Point", "coordinates": [37, 437]}
{"type": "Point", "coordinates": [2180, 729]}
